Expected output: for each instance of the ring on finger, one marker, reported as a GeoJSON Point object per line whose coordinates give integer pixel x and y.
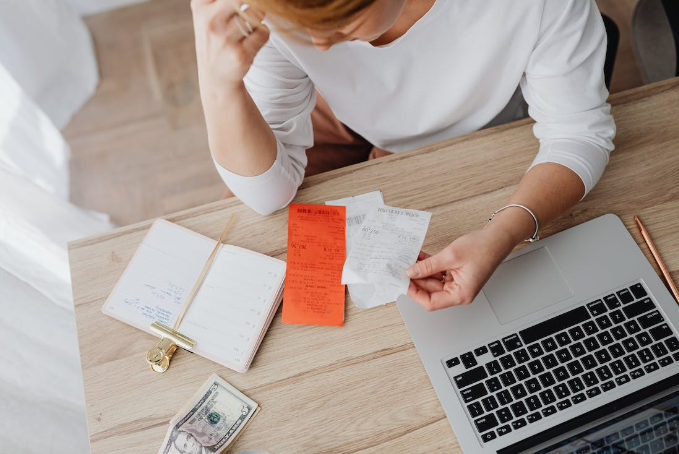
{"type": "Point", "coordinates": [244, 26]}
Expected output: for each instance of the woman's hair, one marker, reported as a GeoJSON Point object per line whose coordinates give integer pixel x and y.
{"type": "Point", "coordinates": [312, 14]}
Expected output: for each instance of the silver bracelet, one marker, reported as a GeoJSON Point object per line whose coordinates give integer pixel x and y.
{"type": "Point", "coordinates": [535, 236]}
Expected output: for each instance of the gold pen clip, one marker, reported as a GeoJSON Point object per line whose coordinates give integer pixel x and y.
{"type": "Point", "coordinates": [159, 357]}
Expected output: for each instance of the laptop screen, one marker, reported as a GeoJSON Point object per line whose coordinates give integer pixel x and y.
{"type": "Point", "coordinates": [650, 428]}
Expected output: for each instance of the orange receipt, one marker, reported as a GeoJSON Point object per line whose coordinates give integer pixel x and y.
{"type": "Point", "coordinates": [313, 292]}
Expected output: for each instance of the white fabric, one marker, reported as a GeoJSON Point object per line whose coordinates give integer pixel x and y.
{"type": "Point", "coordinates": [29, 142]}
{"type": "Point", "coordinates": [42, 407]}
{"type": "Point", "coordinates": [452, 73]}
{"type": "Point", "coordinates": [48, 50]}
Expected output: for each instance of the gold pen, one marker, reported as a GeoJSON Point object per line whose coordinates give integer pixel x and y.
{"type": "Point", "coordinates": [656, 256]}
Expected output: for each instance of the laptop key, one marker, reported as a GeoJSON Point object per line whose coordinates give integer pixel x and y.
{"type": "Point", "coordinates": [616, 350]}
{"type": "Point", "coordinates": [651, 367]}
{"type": "Point", "coordinates": [562, 339]}
{"type": "Point", "coordinates": [625, 296]}
{"type": "Point", "coordinates": [637, 373]}
{"type": "Point", "coordinates": [512, 342]}
{"type": "Point", "coordinates": [672, 344]}
{"type": "Point", "coordinates": [468, 360]}
{"type": "Point", "coordinates": [659, 350]}
{"type": "Point", "coordinates": [493, 384]}
{"type": "Point", "coordinates": [660, 332]}
{"type": "Point", "coordinates": [561, 374]}
{"type": "Point", "coordinates": [617, 316]}
{"type": "Point", "coordinates": [519, 409]}
{"type": "Point", "coordinates": [535, 350]}
{"type": "Point", "coordinates": [593, 392]}
{"type": "Point", "coordinates": [630, 344]}
{"type": "Point", "coordinates": [574, 367]}
{"type": "Point", "coordinates": [504, 397]}
{"type": "Point", "coordinates": [638, 308]}
{"type": "Point", "coordinates": [602, 356]}
{"type": "Point", "coordinates": [618, 332]}
{"type": "Point", "coordinates": [508, 379]}
{"type": "Point", "coordinates": [533, 385]}
{"type": "Point", "coordinates": [591, 344]}
{"type": "Point", "coordinates": [493, 367]}
{"type": "Point", "coordinates": [547, 397]}
{"type": "Point", "coordinates": [612, 301]}
{"type": "Point", "coordinates": [547, 379]}
{"type": "Point", "coordinates": [486, 423]}
{"type": "Point", "coordinates": [604, 322]}
{"type": "Point", "coordinates": [576, 385]}
{"type": "Point", "coordinates": [518, 391]}
{"type": "Point", "coordinates": [561, 391]}
{"type": "Point", "coordinates": [604, 373]}
{"type": "Point", "coordinates": [638, 291]}
{"type": "Point", "coordinates": [475, 409]}
{"type": "Point", "coordinates": [645, 355]}
{"type": "Point", "coordinates": [507, 362]}
{"type": "Point", "coordinates": [578, 398]}
{"type": "Point", "coordinates": [549, 344]}
{"type": "Point", "coordinates": [534, 417]}
{"type": "Point", "coordinates": [452, 362]}
{"type": "Point", "coordinates": [597, 307]}
{"type": "Point", "coordinates": [504, 415]}
{"type": "Point", "coordinates": [488, 436]}
{"type": "Point", "coordinates": [605, 338]}
{"type": "Point", "coordinates": [564, 404]}
{"type": "Point", "coordinates": [632, 327]}
{"type": "Point", "coordinates": [533, 403]}
{"type": "Point", "coordinates": [503, 430]}
{"type": "Point", "coordinates": [489, 403]}
{"type": "Point", "coordinates": [676, 356]}
{"type": "Point", "coordinates": [632, 361]}
{"type": "Point", "coordinates": [666, 361]}
{"type": "Point", "coordinates": [473, 392]}
{"type": "Point", "coordinates": [548, 411]}
{"type": "Point", "coordinates": [590, 327]}
{"type": "Point", "coordinates": [576, 333]}
{"type": "Point", "coordinates": [590, 379]}
{"type": "Point", "coordinates": [650, 319]}
{"type": "Point", "coordinates": [577, 349]}
{"type": "Point", "coordinates": [621, 380]}
{"type": "Point", "coordinates": [550, 361]}
{"type": "Point", "coordinates": [607, 386]}
{"type": "Point", "coordinates": [481, 350]}
{"type": "Point", "coordinates": [521, 356]}
{"type": "Point", "coordinates": [521, 373]}
{"type": "Point", "coordinates": [496, 349]}
{"type": "Point", "coordinates": [519, 423]}
{"type": "Point", "coordinates": [470, 377]}
{"type": "Point", "coordinates": [589, 362]}
{"type": "Point", "coordinates": [536, 367]}
{"type": "Point", "coordinates": [563, 355]}
{"type": "Point", "coordinates": [644, 339]}
{"type": "Point", "coordinates": [618, 367]}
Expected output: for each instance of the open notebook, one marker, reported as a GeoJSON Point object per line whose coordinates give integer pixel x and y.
{"type": "Point", "coordinates": [233, 308]}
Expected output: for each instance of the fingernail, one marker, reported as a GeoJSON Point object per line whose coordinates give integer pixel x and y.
{"type": "Point", "coordinates": [412, 272]}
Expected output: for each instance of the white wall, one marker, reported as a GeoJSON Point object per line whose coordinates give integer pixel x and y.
{"type": "Point", "coordinates": [88, 7]}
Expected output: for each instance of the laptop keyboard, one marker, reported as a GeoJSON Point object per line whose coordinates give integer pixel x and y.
{"type": "Point", "coordinates": [559, 363]}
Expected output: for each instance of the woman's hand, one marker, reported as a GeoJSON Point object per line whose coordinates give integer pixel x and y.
{"type": "Point", "coordinates": [455, 275]}
{"type": "Point", "coordinates": [223, 50]}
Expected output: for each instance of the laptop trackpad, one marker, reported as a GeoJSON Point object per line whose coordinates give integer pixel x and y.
{"type": "Point", "coordinates": [526, 284]}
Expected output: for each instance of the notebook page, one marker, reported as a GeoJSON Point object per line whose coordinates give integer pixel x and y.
{"type": "Point", "coordinates": [233, 304]}
{"type": "Point", "coordinates": [159, 277]}
{"type": "Point", "coordinates": [231, 308]}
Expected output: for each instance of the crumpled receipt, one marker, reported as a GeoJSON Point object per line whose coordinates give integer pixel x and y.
{"type": "Point", "coordinates": [383, 246]}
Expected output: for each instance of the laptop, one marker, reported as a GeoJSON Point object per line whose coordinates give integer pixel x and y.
{"type": "Point", "coordinates": [571, 347]}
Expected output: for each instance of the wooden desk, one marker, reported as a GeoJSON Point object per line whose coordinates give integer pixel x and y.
{"type": "Point", "coordinates": [359, 388]}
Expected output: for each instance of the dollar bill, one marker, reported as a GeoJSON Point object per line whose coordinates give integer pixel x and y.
{"type": "Point", "coordinates": [210, 421]}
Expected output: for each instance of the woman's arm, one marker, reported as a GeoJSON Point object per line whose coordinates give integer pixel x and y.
{"type": "Point", "coordinates": [257, 107]}
{"type": "Point", "coordinates": [566, 93]}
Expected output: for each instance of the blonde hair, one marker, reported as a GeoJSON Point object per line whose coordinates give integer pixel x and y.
{"type": "Point", "coordinates": [312, 14]}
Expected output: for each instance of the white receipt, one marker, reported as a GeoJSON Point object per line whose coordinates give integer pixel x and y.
{"type": "Point", "coordinates": [388, 242]}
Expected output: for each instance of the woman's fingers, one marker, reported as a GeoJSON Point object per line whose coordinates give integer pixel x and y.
{"type": "Point", "coordinates": [257, 39]}
{"type": "Point", "coordinates": [431, 265]}
{"type": "Point", "coordinates": [449, 295]}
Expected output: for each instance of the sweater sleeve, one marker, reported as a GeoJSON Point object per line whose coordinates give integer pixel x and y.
{"type": "Point", "coordinates": [565, 90]}
{"type": "Point", "coordinates": [285, 96]}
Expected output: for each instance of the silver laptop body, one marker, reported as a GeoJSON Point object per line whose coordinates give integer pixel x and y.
{"type": "Point", "coordinates": [562, 284]}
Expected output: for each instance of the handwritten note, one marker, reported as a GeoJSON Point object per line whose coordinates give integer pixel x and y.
{"type": "Point", "coordinates": [232, 309]}
{"type": "Point", "coordinates": [314, 294]}
{"type": "Point", "coordinates": [388, 243]}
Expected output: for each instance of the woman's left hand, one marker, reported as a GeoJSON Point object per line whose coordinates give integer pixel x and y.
{"type": "Point", "coordinates": [455, 275]}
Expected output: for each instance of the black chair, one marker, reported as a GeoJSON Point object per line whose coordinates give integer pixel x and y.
{"type": "Point", "coordinates": [655, 39]}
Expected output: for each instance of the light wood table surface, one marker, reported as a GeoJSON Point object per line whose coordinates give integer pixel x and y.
{"type": "Point", "coordinates": [360, 388]}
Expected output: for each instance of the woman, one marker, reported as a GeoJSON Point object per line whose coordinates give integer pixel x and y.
{"type": "Point", "coordinates": [402, 74]}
